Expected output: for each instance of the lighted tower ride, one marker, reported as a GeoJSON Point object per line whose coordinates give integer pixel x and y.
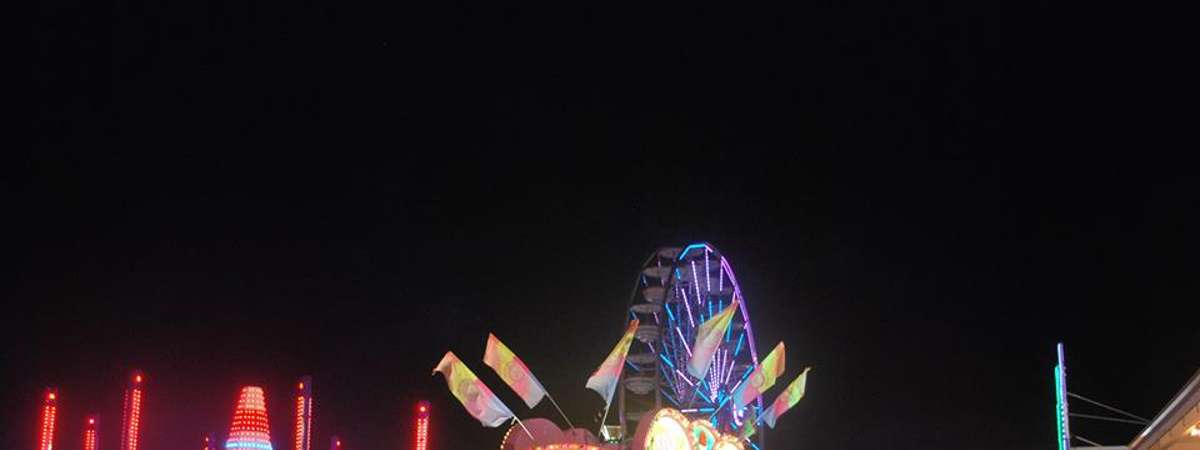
{"type": "Point", "coordinates": [131, 411]}
{"type": "Point", "coordinates": [91, 437]}
{"type": "Point", "coordinates": [304, 412]}
{"type": "Point", "coordinates": [49, 417]}
{"type": "Point", "coordinates": [250, 429]}
{"type": "Point", "coordinates": [676, 291]}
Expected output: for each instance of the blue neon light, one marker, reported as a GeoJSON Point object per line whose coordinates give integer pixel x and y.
{"type": "Point", "coordinates": [688, 249]}
{"type": "Point", "coordinates": [669, 313]}
{"type": "Point", "coordinates": [669, 397]}
{"type": "Point", "coordinates": [741, 339]}
{"type": "Point", "coordinates": [704, 384]}
{"type": "Point", "coordinates": [664, 358]}
{"type": "Point", "coordinates": [240, 444]}
{"type": "Point", "coordinates": [666, 375]}
{"type": "Point", "coordinates": [724, 400]}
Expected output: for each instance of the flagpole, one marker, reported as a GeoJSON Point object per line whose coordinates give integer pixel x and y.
{"type": "Point", "coordinates": [560, 411]}
{"type": "Point", "coordinates": [604, 417]}
{"type": "Point", "coordinates": [522, 424]}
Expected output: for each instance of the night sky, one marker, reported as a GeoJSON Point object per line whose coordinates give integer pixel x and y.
{"type": "Point", "coordinates": [920, 199]}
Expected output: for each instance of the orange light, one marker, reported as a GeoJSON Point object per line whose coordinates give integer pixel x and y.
{"type": "Point", "coordinates": [301, 386]}
{"type": "Point", "coordinates": [51, 396]}
{"type": "Point", "coordinates": [137, 379]}
{"type": "Point", "coordinates": [422, 409]}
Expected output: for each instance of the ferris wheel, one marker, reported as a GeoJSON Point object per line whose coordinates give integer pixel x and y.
{"type": "Point", "coordinates": [676, 291]}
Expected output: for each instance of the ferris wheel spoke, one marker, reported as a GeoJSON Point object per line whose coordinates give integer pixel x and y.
{"type": "Point", "coordinates": [687, 305]}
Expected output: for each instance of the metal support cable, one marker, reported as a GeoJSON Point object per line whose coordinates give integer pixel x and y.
{"type": "Point", "coordinates": [1087, 441]}
{"type": "Point", "coordinates": [1143, 419]}
{"type": "Point", "coordinates": [1110, 419]}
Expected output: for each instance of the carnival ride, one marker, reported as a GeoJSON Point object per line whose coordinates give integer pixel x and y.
{"type": "Point", "coordinates": [691, 381]}
{"type": "Point", "coordinates": [676, 290]}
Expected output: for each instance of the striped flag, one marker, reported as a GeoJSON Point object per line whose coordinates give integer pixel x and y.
{"type": "Point", "coordinates": [604, 380]}
{"type": "Point", "coordinates": [761, 379]}
{"type": "Point", "coordinates": [787, 399]}
{"type": "Point", "coordinates": [480, 402]}
{"type": "Point", "coordinates": [708, 339]}
{"type": "Point", "coordinates": [513, 371]}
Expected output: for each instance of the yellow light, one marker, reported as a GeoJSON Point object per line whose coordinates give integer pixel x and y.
{"type": "Point", "coordinates": [51, 396]}
{"type": "Point", "coordinates": [668, 431]}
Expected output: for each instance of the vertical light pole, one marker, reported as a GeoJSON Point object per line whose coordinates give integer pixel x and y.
{"type": "Point", "coordinates": [91, 439]}
{"type": "Point", "coordinates": [1060, 401]}
{"type": "Point", "coordinates": [422, 438]}
{"type": "Point", "coordinates": [131, 411]}
{"type": "Point", "coordinates": [49, 417]}
{"type": "Point", "coordinates": [304, 413]}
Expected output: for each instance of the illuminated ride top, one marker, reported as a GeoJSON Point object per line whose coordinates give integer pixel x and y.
{"type": "Point", "coordinates": [675, 292]}
{"type": "Point", "coordinates": [250, 429]}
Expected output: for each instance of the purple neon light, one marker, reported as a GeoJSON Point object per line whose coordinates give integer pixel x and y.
{"type": "Point", "coordinates": [684, 342]}
{"type": "Point", "coordinates": [696, 282]}
{"type": "Point", "coordinates": [689, 308]}
{"type": "Point", "coordinates": [707, 279]}
{"type": "Point", "coordinates": [685, 378]}
{"type": "Point", "coordinates": [737, 294]}
{"type": "Point", "coordinates": [728, 371]}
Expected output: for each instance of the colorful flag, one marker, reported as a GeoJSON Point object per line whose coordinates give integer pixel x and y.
{"type": "Point", "coordinates": [604, 381]}
{"type": "Point", "coordinates": [761, 379]}
{"type": "Point", "coordinates": [708, 340]}
{"type": "Point", "coordinates": [480, 402]}
{"type": "Point", "coordinates": [787, 399]}
{"type": "Point", "coordinates": [513, 371]}
{"type": "Point", "coordinates": [749, 423]}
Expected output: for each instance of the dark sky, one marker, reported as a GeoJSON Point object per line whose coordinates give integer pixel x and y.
{"type": "Point", "coordinates": [920, 199]}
